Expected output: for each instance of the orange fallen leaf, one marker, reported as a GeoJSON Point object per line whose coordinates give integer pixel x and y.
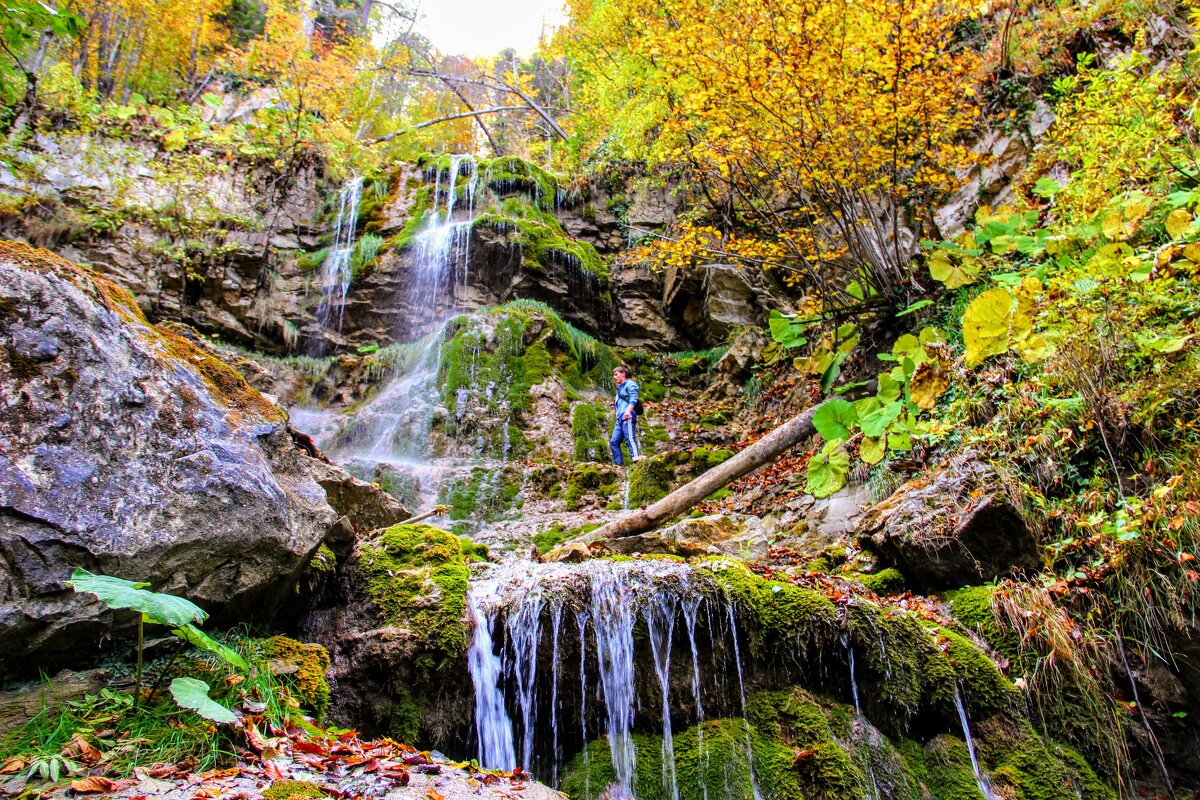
{"type": "Point", "coordinates": [93, 784]}
{"type": "Point", "coordinates": [13, 765]}
{"type": "Point", "coordinates": [434, 794]}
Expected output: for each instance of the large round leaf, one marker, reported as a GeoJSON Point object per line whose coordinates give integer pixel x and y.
{"type": "Point", "coordinates": [164, 609]}
{"type": "Point", "coordinates": [872, 449]}
{"type": "Point", "coordinates": [834, 418]}
{"type": "Point", "coordinates": [827, 470]}
{"type": "Point", "coordinates": [987, 324]}
{"type": "Point", "coordinates": [193, 694]}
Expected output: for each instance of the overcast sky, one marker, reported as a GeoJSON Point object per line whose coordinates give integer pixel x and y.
{"type": "Point", "coordinates": [485, 27]}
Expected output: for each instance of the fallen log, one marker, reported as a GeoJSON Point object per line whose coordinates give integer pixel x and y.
{"type": "Point", "coordinates": [763, 451]}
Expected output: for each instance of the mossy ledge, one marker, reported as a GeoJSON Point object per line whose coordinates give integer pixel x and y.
{"type": "Point", "coordinates": [806, 746]}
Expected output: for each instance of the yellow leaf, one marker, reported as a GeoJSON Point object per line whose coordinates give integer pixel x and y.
{"type": "Point", "coordinates": [1178, 221]}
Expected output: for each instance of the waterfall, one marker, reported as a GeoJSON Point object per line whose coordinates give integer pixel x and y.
{"type": "Point", "coordinates": [614, 644]}
{"type": "Point", "coordinates": [495, 728]}
{"type": "Point", "coordinates": [337, 266]}
{"type": "Point", "coordinates": [660, 618]}
{"type": "Point", "coordinates": [441, 248]}
{"type": "Point", "coordinates": [980, 779]}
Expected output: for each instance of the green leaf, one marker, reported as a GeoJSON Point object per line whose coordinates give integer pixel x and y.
{"type": "Point", "coordinates": [943, 269]}
{"type": "Point", "coordinates": [876, 423]}
{"type": "Point", "coordinates": [1160, 342]}
{"type": "Point", "coordinates": [987, 323]}
{"type": "Point", "coordinates": [1047, 187]}
{"type": "Point", "coordinates": [827, 470]}
{"type": "Point", "coordinates": [193, 635]}
{"type": "Point", "coordinates": [1178, 222]}
{"type": "Point", "coordinates": [889, 388]}
{"type": "Point", "coordinates": [917, 306]}
{"type": "Point", "coordinates": [164, 609]}
{"type": "Point", "coordinates": [193, 694]}
{"type": "Point", "coordinates": [786, 330]}
{"type": "Point", "coordinates": [872, 448]}
{"type": "Point", "coordinates": [834, 419]}
{"type": "Point", "coordinates": [855, 290]}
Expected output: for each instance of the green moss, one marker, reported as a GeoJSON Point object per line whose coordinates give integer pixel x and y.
{"type": "Point", "coordinates": [311, 662]}
{"type": "Point", "coordinates": [589, 431]}
{"type": "Point", "coordinates": [705, 458]}
{"type": "Point", "coordinates": [417, 579]}
{"type": "Point", "coordinates": [324, 561]}
{"type": "Point", "coordinates": [1024, 766]}
{"type": "Point", "coordinates": [797, 720]}
{"type": "Point", "coordinates": [474, 551]}
{"type": "Point", "coordinates": [652, 435]}
{"type": "Point", "coordinates": [972, 607]}
{"type": "Point", "coordinates": [416, 217]}
{"type": "Point", "coordinates": [650, 480]}
{"type": "Point", "coordinates": [887, 581]}
{"type": "Point", "coordinates": [544, 242]}
{"type": "Point", "coordinates": [942, 768]}
{"type": "Point", "coordinates": [508, 174]}
{"type": "Point", "coordinates": [982, 685]}
{"type": "Point", "coordinates": [485, 496]}
{"type": "Point", "coordinates": [588, 479]}
{"type": "Point", "coordinates": [777, 615]}
{"type": "Point", "coordinates": [404, 716]}
{"type": "Point", "coordinates": [552, 537]}
{"type": "Point", "coordinates": [283, 790]}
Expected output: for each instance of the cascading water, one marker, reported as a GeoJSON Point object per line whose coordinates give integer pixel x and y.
{"type": "Point", "coordinates": [980, 779]}
{"type": "Point", "coordinates": [337, 267]}
{"type": "Point", "coordinates": [609, 601]}
{"type": "Point", "coordinates": [441, 247]}
{"type": "Point", "coordinates": [391, 434]}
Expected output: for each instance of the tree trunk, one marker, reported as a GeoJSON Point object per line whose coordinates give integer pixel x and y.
{"type": "Point", "coordinates": [765, 450]}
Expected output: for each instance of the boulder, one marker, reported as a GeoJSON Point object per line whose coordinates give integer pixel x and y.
{"type": "Point", "coordinates": [129, 450]}
{"type": "Point", "coordinates": [957, 525]}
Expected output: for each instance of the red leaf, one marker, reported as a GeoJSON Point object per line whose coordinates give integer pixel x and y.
{"type": "Point", "coordinates": [309, 747]}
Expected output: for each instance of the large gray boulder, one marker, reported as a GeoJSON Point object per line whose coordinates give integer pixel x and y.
{"type": "Point", "coordinates": [129, 450]}
{"type": "Point", "coordinates": [953, 526]}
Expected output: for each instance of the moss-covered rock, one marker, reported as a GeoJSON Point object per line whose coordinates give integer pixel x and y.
{"type": "Point", "coordinates": [308, 664]}
{"type": "Point", "coordinates": [416, 576]}
{"type": "Point", "coordinates": [650, 480]}
{"type": "Point", "coordinates": [887, 581]}
{"type": "Point", "coordinates": [776, 614]}
{"type": "Point", "coordinates": [589, 431]}
{"type": "Point", "coordinates": [509, 175]}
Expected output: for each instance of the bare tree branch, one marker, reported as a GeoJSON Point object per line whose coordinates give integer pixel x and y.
{"type": "Point", "coordinates": [447, 118]}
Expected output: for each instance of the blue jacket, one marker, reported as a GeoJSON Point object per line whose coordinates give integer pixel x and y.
{"type": "Point", "coordinates": [627, 396]}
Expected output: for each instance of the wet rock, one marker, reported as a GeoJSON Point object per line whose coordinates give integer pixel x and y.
{"type": "Point", "coordinates": [365, 505]}
{"type": "Point", "coordinates": [957, 525]}
{"type": "Point", "coordinates": [129, 450]}
{"type": "Point", "coordinates": [736, 535]}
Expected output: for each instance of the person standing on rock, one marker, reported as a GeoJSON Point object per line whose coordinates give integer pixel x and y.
{"type": "Point", "coordinates": [627, 405]}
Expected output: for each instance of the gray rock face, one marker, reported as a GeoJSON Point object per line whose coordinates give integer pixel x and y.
{"type": "Point", "coordinates": [709, 302]}
{"type": "Point", "coordinates": [952, 528]}
{"type": "Point", "coordinates": [116, 205]}
{"type": "Point", "coordinates": [128, 450]}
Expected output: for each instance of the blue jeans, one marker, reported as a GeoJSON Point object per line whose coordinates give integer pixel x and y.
{"type": "Point", "coordinates": [624, 431]}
